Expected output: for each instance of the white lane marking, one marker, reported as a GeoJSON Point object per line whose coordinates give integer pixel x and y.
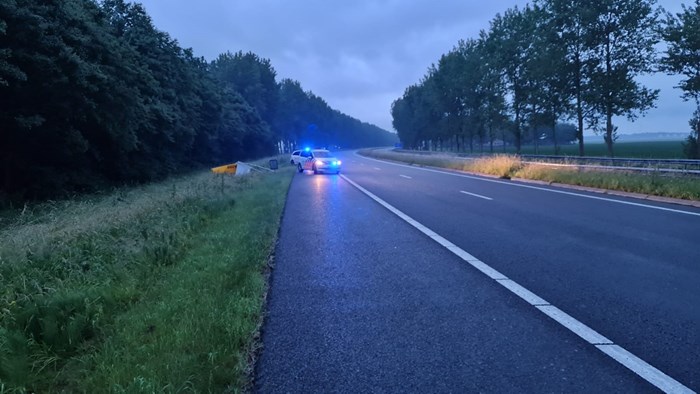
{"type": "Point", "coordinates": [405, 176]}
{"type": "Point", "coordinates": [476, 195]}
{"type": "Point", "coordinates": [643, 369]}
{"type": "Point", "coordinates": [535, 187]}
{"type": "Point", "coordinates": [617, 353]}
{"type": "Point", "coordinates": [377, 168]}
{"type": "Point", "coordinates": [588, 334]}
{"type": "Point", "coordinates": [530, 297]}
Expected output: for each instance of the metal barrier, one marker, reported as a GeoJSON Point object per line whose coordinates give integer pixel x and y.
{"type": "Point", "coordinates": [631, 164]}
{"type": "Point", "coordinates": [675, 166]}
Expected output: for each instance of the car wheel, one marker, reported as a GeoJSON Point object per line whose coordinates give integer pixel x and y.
{"type": "Point", "coordinates": [299, 168]}
{"type": "Point", "coordinates": [315, 171]}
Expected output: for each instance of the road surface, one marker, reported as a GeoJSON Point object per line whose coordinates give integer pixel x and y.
{"type": "Point", "coordinates": [363, 301]}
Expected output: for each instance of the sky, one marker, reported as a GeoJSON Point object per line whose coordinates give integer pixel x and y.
{"type": "Point", "coordinates": [361, 55]}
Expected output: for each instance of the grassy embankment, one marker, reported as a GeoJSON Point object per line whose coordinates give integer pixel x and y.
{"type": "Point", "coordinates": [149, 289]}
{"type": "Point", "coordinates": [504, 166]}
{"type": "Point", "coordinates": [642, 149]}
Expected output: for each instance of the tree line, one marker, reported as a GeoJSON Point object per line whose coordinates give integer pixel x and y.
{"type": "Point", "coordinates": [92, 94]}
{"type": "Point", "coordinates": [551, 62]}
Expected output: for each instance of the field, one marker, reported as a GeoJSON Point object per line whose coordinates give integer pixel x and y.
{"type": "Point", "coordinates": [148, 289]}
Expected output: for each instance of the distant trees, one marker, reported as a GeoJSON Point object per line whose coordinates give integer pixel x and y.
{"type": "Point", "coordinates": [92, 94]}
{"type": "Point", "coordinates": [682, 32]}
{"type": "Point", "coordinates": [536, 67]}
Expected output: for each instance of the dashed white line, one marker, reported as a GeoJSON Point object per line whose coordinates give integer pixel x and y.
{"type": "Point", "coordinates": [405, 176]}
{"type": "Point", "coordinates": [535, 187]}
{"type": "Point", "coordinates": [476, 195]}
{"type": "Point", "coordinates": [605, 345]}
{"type": "Point", "coordinates": [377, 168]}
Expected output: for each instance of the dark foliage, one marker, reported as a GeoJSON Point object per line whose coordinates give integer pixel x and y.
{"type": "Point", "coordinates": [535, 68]}
{"type": "Point", "coordinates": [92, 94]}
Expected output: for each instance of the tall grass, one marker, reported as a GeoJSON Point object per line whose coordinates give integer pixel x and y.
{"type": "Point", "coordinates": [504, 166]}
{"type": "Point", "coordinates": [641, 149]}
{"type": "Point", "coordinates": [145, 289]}
{"type": "Point", "coordinates": [683, 187]}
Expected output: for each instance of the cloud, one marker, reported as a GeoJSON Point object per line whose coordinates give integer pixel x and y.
{"type": "Point", "coordinates": [359, 56]}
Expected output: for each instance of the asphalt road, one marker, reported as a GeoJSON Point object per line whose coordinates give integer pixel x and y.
{"type": "Point", "coordinates": [362, 301]}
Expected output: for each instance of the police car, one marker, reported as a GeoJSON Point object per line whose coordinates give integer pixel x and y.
{"type": "Point", "coordinates": [316, 160]}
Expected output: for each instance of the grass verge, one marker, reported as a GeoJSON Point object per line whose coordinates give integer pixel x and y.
{"type": "Point", "coordinates": [503, 166]}
{"type": "Point", "coordinates": [158, 288]}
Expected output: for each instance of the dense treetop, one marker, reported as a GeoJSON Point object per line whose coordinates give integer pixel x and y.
{"type": "Point", "coordinates": [92, 94]}
{"type": "Point", "coordinates": [550, 62]}
{"type": "Point", "coordinates": [682, 32]}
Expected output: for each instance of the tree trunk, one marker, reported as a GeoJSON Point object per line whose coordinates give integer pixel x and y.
{"type": "Point", "coordinates": [554, 137]}
{"type": "Point", "coordinates": [503, 134]}
{"type": "Point", "coordinates": [609, 132]}
{"type": "Point", "coordinates": [579, 106]}
{"type": "Point", "coordinates": [481, 142]}
{"type": "Point", "coordinates": [535, 137]}
{"type": "Point", "coordinates": [608, 100]}
{"type": "Point", "coordinates": [517, 130]}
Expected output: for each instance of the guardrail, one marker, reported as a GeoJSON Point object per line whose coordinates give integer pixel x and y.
{"type": "Point", "coordinates": [675, 166]}
{"type": "Point", "coordinates": [685, 166]}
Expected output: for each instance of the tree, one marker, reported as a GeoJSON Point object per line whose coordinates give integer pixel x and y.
{"type": "Point", "coordinates": [92, 94]}
{"type": "Point", "coordinates": [252, 77]}
{"type": "Point", "coordinates": [548, 74]}
{"type": "Point", "coordinates": [492, 88]}
{"type": "Point", "coordinates": [290, 116]}
{"type": "Point", "coordinates": [623, 36]}
{"type": "Point", "coordinates": [414, 115]}
{"type": "Point", "coordinates": [512, 34]}
{"type": "Point", "coordinates": [449, 93]}
{"type": "Point", "coordinates": [572, 20]}
{"type": "Point", "coordinates": [682, 32]}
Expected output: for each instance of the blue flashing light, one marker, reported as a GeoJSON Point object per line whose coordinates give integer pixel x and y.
{"type": "Point", "coordinates": [307, 149]}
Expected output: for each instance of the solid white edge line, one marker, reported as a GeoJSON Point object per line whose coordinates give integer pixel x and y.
{"type": "Point", "coordinates": [532, 187]}
{"type": "Point", "coordinates": [643, 369]}
{"type": "Point", "coordinates": [476, 195]}
{"type": "Point", "coordinates": [530, 297]}
{"type": "Point", "coordinates": [405, 176]}
{"type": "Point", "coordinates": [617, 353]}
{"type": "Point", "coordinates": [575, 326]}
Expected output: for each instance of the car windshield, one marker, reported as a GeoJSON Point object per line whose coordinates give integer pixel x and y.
{"type": "Point", "coordinates": [322, 153]}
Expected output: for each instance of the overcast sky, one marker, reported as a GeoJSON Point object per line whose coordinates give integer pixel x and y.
{"type": "Point", "coordinates": [360, 55]}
